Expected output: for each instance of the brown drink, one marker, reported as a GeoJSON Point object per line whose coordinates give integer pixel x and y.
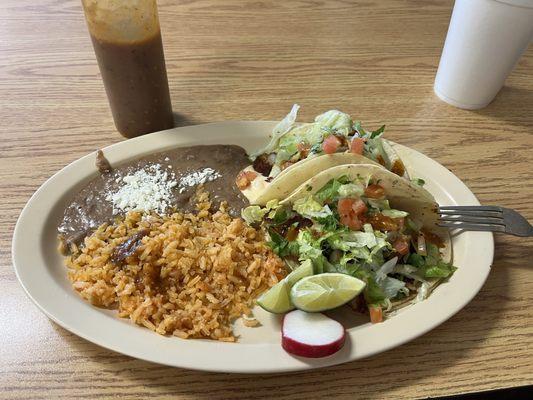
{"type": "Point", "coordinates": [127, 42]}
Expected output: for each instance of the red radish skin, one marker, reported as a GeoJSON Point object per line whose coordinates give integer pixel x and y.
{"type": "Point", "coordinates": [293, 332]}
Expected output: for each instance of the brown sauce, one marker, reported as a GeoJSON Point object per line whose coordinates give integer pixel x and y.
{"type": "Point", "coordinates": [89, 208]}
{"type": "Point", "coordinates": [136, 84]}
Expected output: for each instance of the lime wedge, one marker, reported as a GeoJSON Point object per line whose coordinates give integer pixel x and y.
{"type": "Point", "coordinates": [277, 299]}
{"type": "Point", "coordinates": [305, 269]}
{"type": "Point", "coordinates": [325, 291]}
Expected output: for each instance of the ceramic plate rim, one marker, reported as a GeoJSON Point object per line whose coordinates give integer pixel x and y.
{"type": "Point", "coordinates": [197, 354]}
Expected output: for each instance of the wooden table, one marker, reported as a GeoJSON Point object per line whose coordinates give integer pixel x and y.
{"type": "Point", "coordinates": [252, 60]}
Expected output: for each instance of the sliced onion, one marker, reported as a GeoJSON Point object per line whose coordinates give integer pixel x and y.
{"type": "Point", "coordinates": [386, 269]}
{"type": "Point", "coordinates": [421, 245]}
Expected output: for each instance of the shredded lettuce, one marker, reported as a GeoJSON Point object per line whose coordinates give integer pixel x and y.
{"type": "Point", "coordinates": [379, 204]}
{"type": "Point", "coordinates": [329, 191]}
{"type": "Point", "coordinates": [327, 224]}
{"type": "Point", "coordinates": [394, 213]}
{"type": "Point", "coordinates": [286, 153]}
{"type": "Point", "coordinates": [373, 292]}
{"type": "Point", "coordinates": [284, 126]}
{"type": "Point", "coordinates": [374, 147]}
{"type": "Point", "coordinates": [413, 225]}
{"type": "Point", "coordinates": [418, 181]}
{"type": "Point", "coordinates": [433, 254]}
{"type": "Point", "coordinates": [408, 271]}
{"type": "Point", "coordinates": [440, 270]}
{"type": "Point", "coordinates": [277, 213]}
{"type": "Point", "coordinates": [308, 207]}
{"type": "Point", "coordinates": [416, 260]}
{"type": "Point", "coordinates": [391, 287]}
{"type": "Point", "coordinates": [359, 239]}
{"type": "Point", "coordinates": [386, 269]}
{"type": "Point", "coordinates": [272, 205]}
{"type": "Point", "coordinates": [335, 121]}
{"type": "Point", "coordinates": [359, 129]}
{"type": "Point", "coordinates": [286, 146]}
{"type": "Point", "coordinates": [377, 133]}
{"type": "Point", "coordinates": [253, 214]}
{"type": "Point", "coordinates": [280, 215]}
{"type": "Point", "coordinates": [338, 188]}
{"type": "Point", "coordinates": [281, 246]}
{"type": "Point", "coordinates": [309, 247]}
{"type": "Point", "coordinates": [431, 266]}
{"type": "Point", "coordinates": [350, 190]}
{"type": "Point", "coordinates": [381, 243]}
{"type": "Point", "coordinates": [366, 246]}
{"type": "Point", "coordinates": [368, 228]}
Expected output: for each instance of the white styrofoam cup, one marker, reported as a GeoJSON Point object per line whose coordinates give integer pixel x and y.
{"type": "Point", "coordinates": [485, 40]}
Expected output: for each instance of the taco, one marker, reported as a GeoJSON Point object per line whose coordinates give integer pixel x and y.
{"type": "Point", "coordinates": [296, 153]}
{"type": "Point", "coordinates": [367, 222]}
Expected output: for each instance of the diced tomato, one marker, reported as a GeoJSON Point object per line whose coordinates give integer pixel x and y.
{"type": "Point", "coordinates": [303, 149]}
{"type": "Point", "coordinates": [359, 207]}
{"type": "Point", "coordinates": [244, 179]}
{"type": "Point", "coordinates": [331, 144]}
{"type": "Point", "coordinates": [348, 206]}
{"type": "Point", "coordinates": [401, 245]}
{"type": "Point", "coordinates": [374, 191]}
{"type": "Point", "coordinates": [376, 314]}
{"type": "Point", "coordinates": [344, 206]}
{"type": "Point", "coordinates": [351, 221]}
{"type": "Point", "coordinates": [350, 210]}
{"type": "Point", "coordinates": [357, 145]}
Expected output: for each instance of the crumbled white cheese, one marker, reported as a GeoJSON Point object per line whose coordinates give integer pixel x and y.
{"type": "Point", "coordinates": [147, 189]}
{"type": "Point", "coordinates": [198, 177]}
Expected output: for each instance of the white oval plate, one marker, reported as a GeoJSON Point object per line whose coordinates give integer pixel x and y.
{"type": "Point", "coordinates": [40, 270]}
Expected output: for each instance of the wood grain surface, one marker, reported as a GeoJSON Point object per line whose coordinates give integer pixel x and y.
{"type": "Point", "coordinates": [235, 60]}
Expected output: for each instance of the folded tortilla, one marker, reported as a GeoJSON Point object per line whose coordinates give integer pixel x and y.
{"type": "Point", "coordinates": [261, 191]}
{"type": "Point", "coordinates": [402, 195]}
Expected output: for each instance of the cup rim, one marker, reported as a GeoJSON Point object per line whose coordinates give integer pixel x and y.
{"type": "Point", "coordinates": [517, 3]}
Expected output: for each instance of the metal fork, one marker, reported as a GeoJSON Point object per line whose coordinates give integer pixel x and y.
{"type": "Point", "coordinates": [484, 218]}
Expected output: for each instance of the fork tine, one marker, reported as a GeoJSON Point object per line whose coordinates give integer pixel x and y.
{"type": "Point", "coordinates": [471, 208]}
{"type": "Point", "coordinates": [472, 227]}
{"type": "Point", "coordinates": [480, 219]}
{"type": "Point", "coordinates": [473, 213]}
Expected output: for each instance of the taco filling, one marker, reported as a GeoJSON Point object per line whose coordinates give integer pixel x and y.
{"type": "Point", "coordinates": [331, 132]}
{"type": "Point", "coordinates": [350, 226]}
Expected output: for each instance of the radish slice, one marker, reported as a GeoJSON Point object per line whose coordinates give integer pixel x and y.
{"type": "Point", "coordinates": [311, 334]}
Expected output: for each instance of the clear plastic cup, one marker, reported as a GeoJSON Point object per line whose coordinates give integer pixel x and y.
{"type": "Point", "coordinates": [127, 43]}
{"type": "Point", "coordinates": [485, 40]}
